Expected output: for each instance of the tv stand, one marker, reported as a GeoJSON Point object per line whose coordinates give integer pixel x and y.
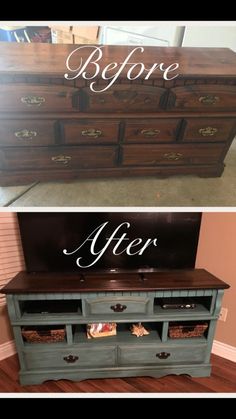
{"type": "Point", "coordinates": [179, 340]}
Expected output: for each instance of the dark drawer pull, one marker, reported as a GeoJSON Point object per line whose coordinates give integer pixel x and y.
{"type": "Point", "coordinates": [150, 132]}
{"type": "Point", "coordinates": [95, 133]}
{"type": "Point", "coordinates": [33, 100]}
{"type": "Point", "coordinates": [163, 355]}
{"type": "Point", "coordinates": [208, 131]}
{"type": "Point", "coordinates": [209, 100]}
{"type": "Point", "coordinates": [25, 134]}
{"type": "Point", "coordinates": [70, 359]}
{"type": "Point", "coordinates": [118, 308]}
{"type": "Point", "coordinates": [173, 156]}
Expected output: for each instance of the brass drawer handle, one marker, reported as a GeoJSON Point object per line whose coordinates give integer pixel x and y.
{"type": "Point", "coordinates": [208, 131]}
{"type": "Point", "coordinates": [94, 133]}
{"type": "Point", "coordinates": [61, 159]}
{"type": "Point", "coordinates": [173, 156]}
{"type": "Point", "coordinates": [163, 355]}
{"type": "Point", "coordinates": [33, 100]}
{"type": "Point", "coordinates": [118, 308]}
{"type": "Point", "coordinates": [25, 134]}
{"type": "Point", "coordinates": [209, 100]}
{"type": "Point", "coordinates": [150, 132]}
{"type": "Point", "coordinates": [70, 359]}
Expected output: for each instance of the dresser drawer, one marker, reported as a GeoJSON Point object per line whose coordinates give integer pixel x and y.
{"type": "Point", "coordinates": [70, 358]}
{"type": "Point", "coordinates": [120, 306]}
{"type": "Point", "coordinates": [161, 354]}
{"type": "Point", "coordinates": [90, 131]}
{"type": "Point", "coordinates": [63, 158]}
{"type": "Point", "coordinates": [208, 129]}
{"type": "Point", "coordinates": [37, 98]}
{"type": "Point", "coordinates": [124, 98]}
{"type": "Point", "coordinates": [152, 131]}
{"type": "Point", "coordinates": [203, 97]}
{"type": "Point", "coordinates": [25, 132]}
{"type": "Point", "coordinates": [148, 155]}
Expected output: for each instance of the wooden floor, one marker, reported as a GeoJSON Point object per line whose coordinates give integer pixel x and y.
{"type": "Point", "coordinates": [222, 380]}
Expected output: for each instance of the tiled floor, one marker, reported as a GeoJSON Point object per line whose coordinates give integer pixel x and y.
{"type": "Point", "coordinates": [148, 191]}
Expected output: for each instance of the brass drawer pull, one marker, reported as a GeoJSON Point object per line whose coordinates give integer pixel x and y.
{"type": "Point", "coordinates": [163, 355]}
{"type": "Point", "coordinates": [61, 159]}
{"type": "Point", "coordinates": [118, 308]}
{"type": "Point", "coordinates": [25, 134]}
{"type": "Point", "coordinates": [94, 133]}
{"type": "Point", "coordinates": [173, 156]}
{"type": "Point", "coordinates": [150, 132]}
{"type": "Point", "coordinates": [70, 359]}
{"type": "Point", "coordinates": [33, 100]}
{"type": "Point", "coordinates": [209, 100]}
{"type": "Point", "coordinates": [208, 131]}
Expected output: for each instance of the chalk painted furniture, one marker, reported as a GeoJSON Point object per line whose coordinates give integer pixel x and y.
{"type": "Point", "coordinates": [73, 301]}
{"type": "Point", "coordinates": [53, 128]}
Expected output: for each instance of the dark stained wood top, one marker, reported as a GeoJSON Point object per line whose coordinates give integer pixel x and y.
{"type": "Point", "coordinates": [49, 59]}
{"type": "Point", "coordinates": [58, 282]}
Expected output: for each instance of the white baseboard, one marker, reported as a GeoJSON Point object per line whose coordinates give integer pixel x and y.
{"type": "Point", "coordinates": [7, 349]}
{"type": "Point", "coordinates": [224, 350]}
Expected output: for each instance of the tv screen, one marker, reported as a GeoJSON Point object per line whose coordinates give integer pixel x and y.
{"type": "Point", "coordinates": [109, 241]}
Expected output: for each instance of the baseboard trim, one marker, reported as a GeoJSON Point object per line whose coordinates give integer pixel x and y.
{"type": "Point", "coordinates": [7, 349]}
{"type": "Point", "coordinates": [224, 350]}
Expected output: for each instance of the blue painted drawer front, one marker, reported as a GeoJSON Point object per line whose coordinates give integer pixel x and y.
{"type": "Point", "coordinates": [118, 305]}
{"type": "Point", "coordinates": [161, 355]}
{"type": "Point", "coordinates": [87, 357]}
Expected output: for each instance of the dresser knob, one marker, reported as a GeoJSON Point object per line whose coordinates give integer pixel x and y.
{"type": "Point", "coordinates": [33, 100]}
{"type": "Point", "coordinates": [209, 100]}
{"type": "Point", "coordinates": [163, 355]}
{"type": "Point", "coordinates": [173, 156]}
{"type": "Point", "coordinates": [70, 359]}
{"type": "Point", "coordinates": [208, 131]}
{"type": "Point", "coordinates": [150, 132]}
{"type": "Point", "coordinates": [118, 308]}
{"type": "Point", "coordinates": [94, 133]}
{"type": "Point", "coordinates": [25, 134]}
{"type": "Point", "coordinates": [61, 159]}
{"type": "Point", "coordinates": [147, 100]}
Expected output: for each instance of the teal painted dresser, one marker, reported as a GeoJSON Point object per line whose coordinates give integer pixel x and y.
{"type": "Point", "coordinates": [185, 301]}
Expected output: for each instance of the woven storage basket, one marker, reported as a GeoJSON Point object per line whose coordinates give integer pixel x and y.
{"type": "Point", "coordinates": [43, 335]}
{"type": "Point", "coordinates": [186, 330]}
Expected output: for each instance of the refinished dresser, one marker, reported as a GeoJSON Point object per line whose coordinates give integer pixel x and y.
{"type": "Point", "coordinates": [173, 306]}
{"type": "Point", "coordinates": [120, 111]}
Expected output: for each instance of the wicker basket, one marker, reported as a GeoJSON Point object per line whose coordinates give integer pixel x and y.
{"type": "Point", "coordinates": [43, 334]}
{"type": "Point", "coordinates": [186, 330]}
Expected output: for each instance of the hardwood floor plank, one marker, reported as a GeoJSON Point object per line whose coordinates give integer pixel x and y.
{"type": "Point", "coordinates": [222, 380]}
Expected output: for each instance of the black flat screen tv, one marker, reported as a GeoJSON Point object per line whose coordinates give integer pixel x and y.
{"type": "Point", "coordinates": [109, 241]}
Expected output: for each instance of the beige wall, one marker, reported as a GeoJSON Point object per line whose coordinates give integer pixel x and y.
{"type": "Point", "coordinates": [217, 254]}
{"type": "Point", "coordinates": [11, 262]}
{"type": "Point", "coordinates": [5, 329]}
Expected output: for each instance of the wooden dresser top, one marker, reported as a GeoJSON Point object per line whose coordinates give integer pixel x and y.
{"type": "Point", "coordinates": [58, 282]}
{"type": "Point", "coordinates": [49, 59]}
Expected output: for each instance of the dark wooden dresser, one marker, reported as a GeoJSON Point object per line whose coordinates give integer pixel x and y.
{"type": "Point", "coordinates": [52, 128]}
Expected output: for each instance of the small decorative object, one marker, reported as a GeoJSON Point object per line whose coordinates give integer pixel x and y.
{"type": "Point", "coordinates": [138, 330]}
{"type": "Point", "coordinates": [98, 330]}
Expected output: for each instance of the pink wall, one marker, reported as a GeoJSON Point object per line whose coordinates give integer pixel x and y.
{"type": "Point", "coordinates": [217, 254]}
